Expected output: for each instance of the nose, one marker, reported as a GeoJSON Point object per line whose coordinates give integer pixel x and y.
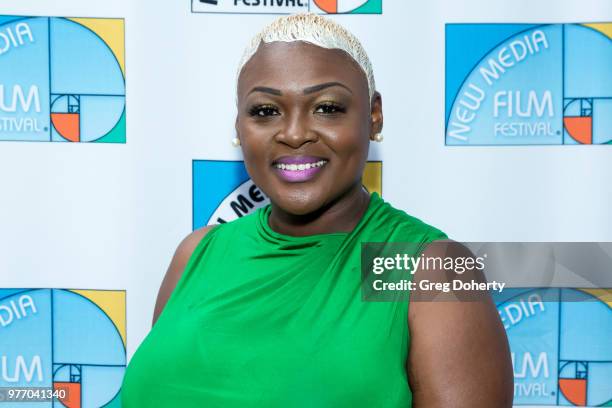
{"type": "Point", "coordinates": [296, 130]}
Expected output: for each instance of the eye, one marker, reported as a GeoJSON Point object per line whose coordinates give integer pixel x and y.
{"type": "Point", "coordinates": [263, 111]}
{"type": "Point", "coordinates": [329, 108]}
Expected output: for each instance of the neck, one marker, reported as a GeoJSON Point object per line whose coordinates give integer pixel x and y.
{"type": "Point", "coordinates": [340, 215]}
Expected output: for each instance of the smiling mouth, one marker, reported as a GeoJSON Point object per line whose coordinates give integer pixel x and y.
{"type": "Point", "coordinates": [300, 166]}
{"type": "Point", "coordinates": [298, 169]}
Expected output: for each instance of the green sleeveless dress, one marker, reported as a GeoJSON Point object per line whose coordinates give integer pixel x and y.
{"type": "Point", "coordinates": [263, 319]}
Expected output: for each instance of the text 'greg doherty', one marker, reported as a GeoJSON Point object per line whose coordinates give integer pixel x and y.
{"type": "Point", "coordinates": [446, 287]}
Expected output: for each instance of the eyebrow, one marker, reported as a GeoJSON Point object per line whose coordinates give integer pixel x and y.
{"type": "Point", "coordinates": [265, 89]}
{"type": "Point", "coordinates": [309, 90]}
{"type": "Point", "coordinates": [316, 88]}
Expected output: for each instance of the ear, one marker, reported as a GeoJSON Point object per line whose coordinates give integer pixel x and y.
{"type": "Point", "coordinates": [376, 115]}
{"type": "Point", "coordinates": [236, 126]}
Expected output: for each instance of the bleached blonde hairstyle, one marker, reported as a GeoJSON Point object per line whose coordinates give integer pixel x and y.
{"type": "Point", "coordinates": [315, 29]}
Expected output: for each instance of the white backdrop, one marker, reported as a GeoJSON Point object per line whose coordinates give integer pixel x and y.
{"type": "Point", "coordinates": [109, 216]}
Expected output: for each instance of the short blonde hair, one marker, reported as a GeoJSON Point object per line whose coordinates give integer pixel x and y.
{"type": "Point", "coordinates": [315, 29]}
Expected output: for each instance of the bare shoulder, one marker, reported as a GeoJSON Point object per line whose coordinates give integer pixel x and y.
{"type": "Point", "coordinates": [459, 354]}
{"type": "Point", "coordinates": [177, 266]}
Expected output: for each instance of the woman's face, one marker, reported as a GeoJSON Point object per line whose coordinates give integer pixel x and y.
{"type": "Point", "coordinates": [304, 122]}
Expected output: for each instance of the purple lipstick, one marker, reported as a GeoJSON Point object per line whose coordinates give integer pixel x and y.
{"type": "Point", "coordinates": [296, 169]}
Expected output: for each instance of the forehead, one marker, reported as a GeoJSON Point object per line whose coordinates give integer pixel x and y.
{"type": "Point", "coordinates": [298, 64]}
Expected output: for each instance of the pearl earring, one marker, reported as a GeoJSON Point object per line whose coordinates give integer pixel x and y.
{"type": "Point", "coordinates": [378, 137]}
{"type": "Point", "coordinates": [235, 142]}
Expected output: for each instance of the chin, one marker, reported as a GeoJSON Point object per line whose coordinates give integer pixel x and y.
{"type": "Point", "coordinates": [297, 201]}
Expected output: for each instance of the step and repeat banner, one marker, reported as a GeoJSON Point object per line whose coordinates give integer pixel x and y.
{"type": "Point", "coordinates": [498, 127]}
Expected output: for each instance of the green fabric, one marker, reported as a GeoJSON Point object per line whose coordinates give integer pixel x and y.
{"type": "Point", "coordinates": [263, 319]}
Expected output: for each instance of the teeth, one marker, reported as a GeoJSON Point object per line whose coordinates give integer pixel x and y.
{"type": "Point", "coordinates": [300, 167]}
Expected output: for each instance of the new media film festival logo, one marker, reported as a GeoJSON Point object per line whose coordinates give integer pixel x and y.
{"type": "Point", "coordinates": [561, 350]}
{"type": "Point", "coordinates": [62, 79]}
{"type": "Point", "coordinates": [60, 339]}
{"type": "Point", "coordinates": [223, 191]}
{"type": "Point", "coordinates": [526, 84]}
{"type": "Point", "coordinates": [287, 6]}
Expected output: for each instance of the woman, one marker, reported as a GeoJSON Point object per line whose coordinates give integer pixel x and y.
{"type": "Point", "coordinates": [266, 310]}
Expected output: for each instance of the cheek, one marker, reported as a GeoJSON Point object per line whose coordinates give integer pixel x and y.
{"type": "Point", "coordinates": [351, 145]}
{"type": "Point", "coordinates": [357, 158]}
{"type": "Point", "coordinates": [256, 134]}
{"type": "Point", "coordinates": [351, 152]}
{"type": "Point", "coordinates": [350, 142]}
{"type": "Point", "coordinates": [251, 140]}
{"type": "Point", "coordinates": [254, 158]}
{"type": "Point", "coordinates": [255, 154]}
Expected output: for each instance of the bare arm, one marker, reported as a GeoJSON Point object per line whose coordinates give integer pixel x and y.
{"type": "Point", "coordinates": [176, 268]}
{"type": "Point", "coordinates": [459, 355]}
